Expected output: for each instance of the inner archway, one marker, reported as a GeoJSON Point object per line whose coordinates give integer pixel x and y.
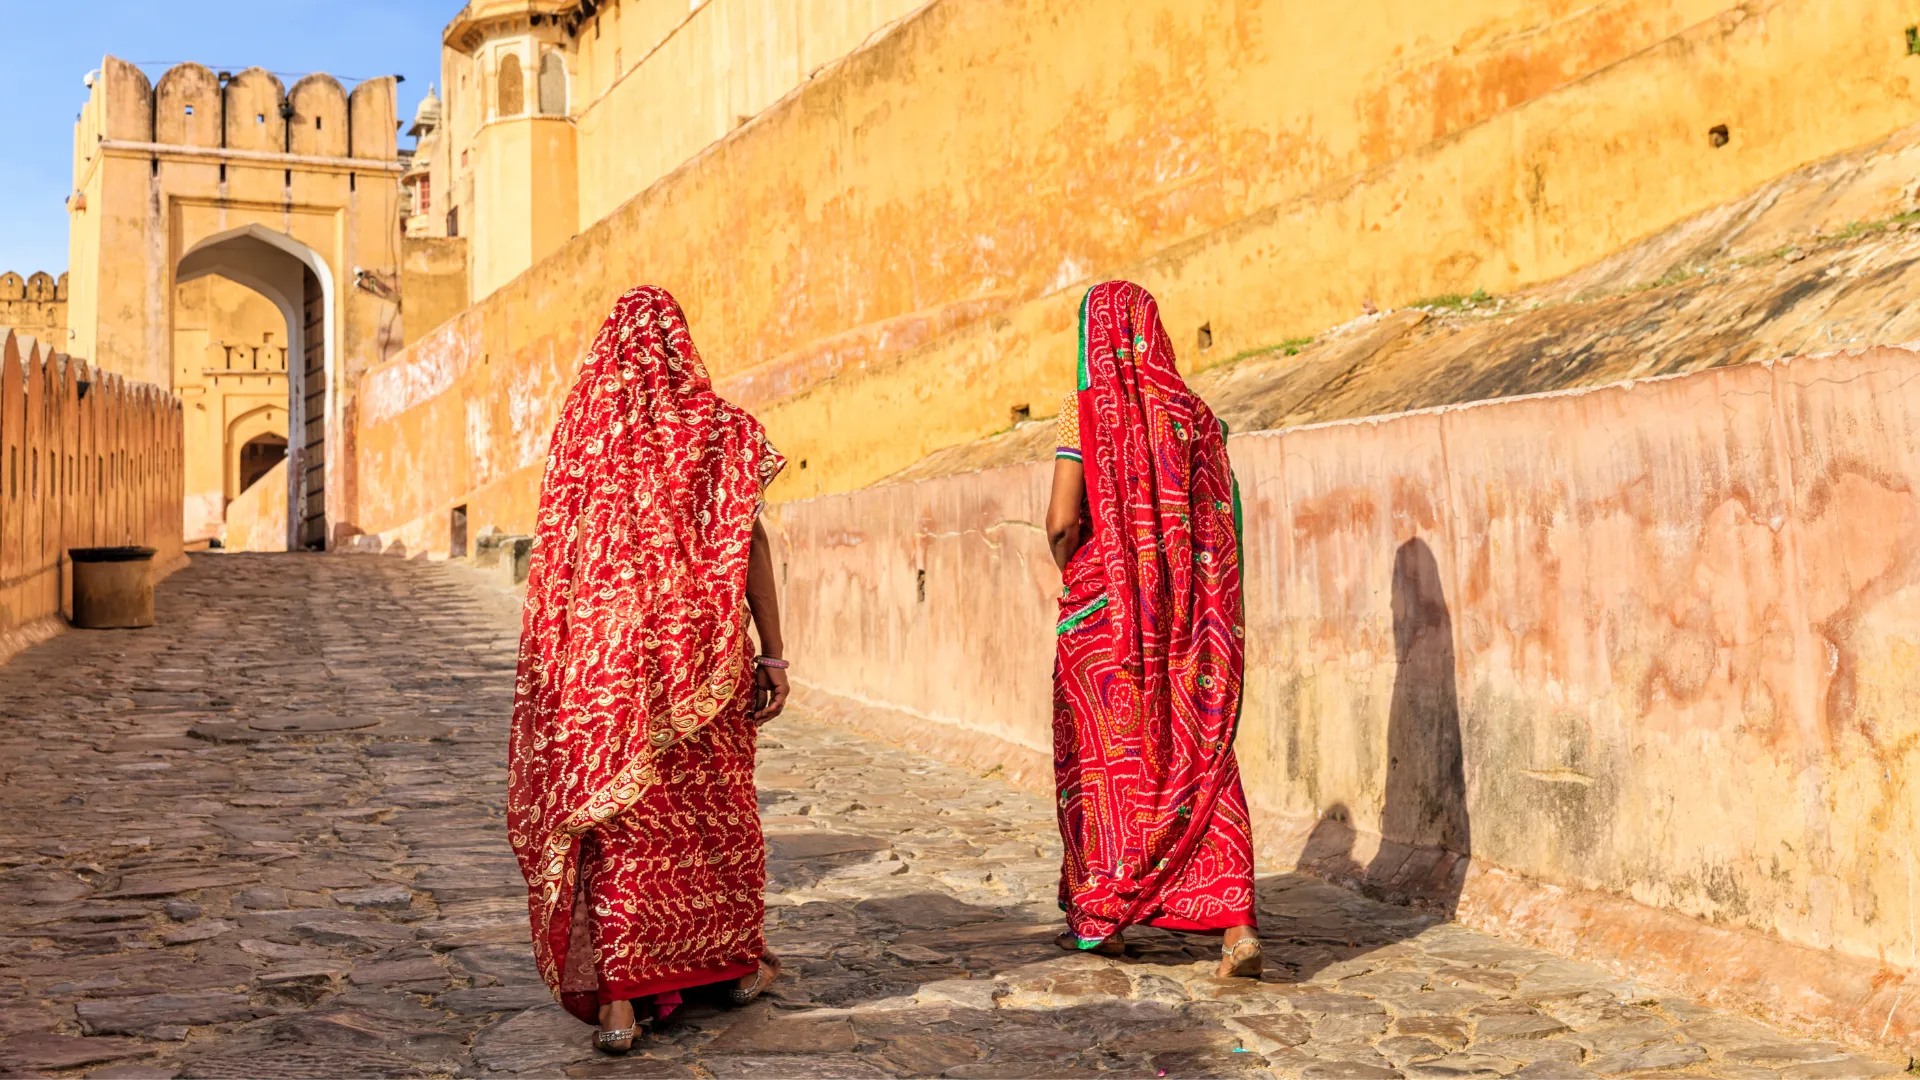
{"type": "Point", "coordinates": [298, 282]}
{"type": "Point", "coordinates": [258, 456]}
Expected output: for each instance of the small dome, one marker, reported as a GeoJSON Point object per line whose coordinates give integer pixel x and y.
{"type": "Point", "coordinates": [427, 116]}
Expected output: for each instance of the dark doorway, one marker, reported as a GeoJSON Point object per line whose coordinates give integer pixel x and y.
{"type": "Point", "coordinates": [311, 484]}
{"type": "Point", "coordinates": [258, 455]}
{"type": "Point", "coordinates": [457, 533]}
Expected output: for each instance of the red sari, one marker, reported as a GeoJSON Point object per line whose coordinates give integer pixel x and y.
{"type": "Point", "coordinates": [630, 798]}
{"type": "Point", "coordinates": [1150, 646]}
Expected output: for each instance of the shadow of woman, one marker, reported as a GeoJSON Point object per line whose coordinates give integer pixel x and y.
{"type": "Point", "coordinates": [1426, 839]}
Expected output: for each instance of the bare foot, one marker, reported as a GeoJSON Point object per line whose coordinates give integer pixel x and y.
{"type": "Point", "coordinates": [1112, 946]}
{"type": "Point", "coordinates": [617, 1028]}
{"type": "Point", "coordinates": [749, 987]}
{"type": "Point", "coordinates": [1240, 955]}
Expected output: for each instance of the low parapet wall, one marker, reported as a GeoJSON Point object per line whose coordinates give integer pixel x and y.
{"type": "Point", "coordinates": [1645, 654]}
{"type": "Point", "coordinates": [77, 469]}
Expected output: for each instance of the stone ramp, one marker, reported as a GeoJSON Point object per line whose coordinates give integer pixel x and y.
{"type": "Point", "coordinates": [265, 839]}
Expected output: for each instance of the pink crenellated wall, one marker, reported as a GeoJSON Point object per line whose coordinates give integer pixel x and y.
{"type": "Point", "coordinates": [77, 472]}
{"type": "Point", "coordinates": [1645, 655]}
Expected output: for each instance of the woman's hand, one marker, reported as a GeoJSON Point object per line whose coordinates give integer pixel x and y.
{"type": "Point", "coordinates": [769, 693]}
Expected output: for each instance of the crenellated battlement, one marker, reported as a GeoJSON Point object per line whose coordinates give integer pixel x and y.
{"type": "Point", "coordinates": [39, 287]}
{"type": "Point", "coordinates": [247, 114]}
{"type": "Point", "coordinates": [35, 304]}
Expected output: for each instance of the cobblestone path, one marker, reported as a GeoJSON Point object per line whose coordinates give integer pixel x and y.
{"type": "Point", "coordinates": [264, 839]}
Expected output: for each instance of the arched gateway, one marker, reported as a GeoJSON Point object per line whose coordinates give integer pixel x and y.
{"type": "Point", "coordinates": [195, 198]}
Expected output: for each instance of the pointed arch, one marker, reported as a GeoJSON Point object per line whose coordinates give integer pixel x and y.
{"type": "Point", "coordinates": [298, 282]}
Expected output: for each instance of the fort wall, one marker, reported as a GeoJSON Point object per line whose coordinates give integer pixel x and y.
{"type": "Point", "coordinates": [35, 304]}
{"type": "Point", "coordinates": [1626, 672]}
{"type": "Point", "coordinates": [87, 459]}
{"type": "Point", "coordinates": [1266, 172]}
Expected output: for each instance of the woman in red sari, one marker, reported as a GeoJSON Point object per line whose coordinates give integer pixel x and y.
{"type": "Point", "coordinates": [1144, 524]}
{"type": "Point", "coordinates": [630, 800]}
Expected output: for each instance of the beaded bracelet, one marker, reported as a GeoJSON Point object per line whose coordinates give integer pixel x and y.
{"type": "Point", "coordinates": [770, 662]}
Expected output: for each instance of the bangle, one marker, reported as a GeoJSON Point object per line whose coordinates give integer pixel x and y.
{"type": "Point", "coordinates": [770, 662]}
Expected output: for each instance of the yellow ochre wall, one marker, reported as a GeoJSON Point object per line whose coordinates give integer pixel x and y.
{"type": "Point", "coordinates": [888, 261]}
{"type": "Point", "coordinates": [649, 84]}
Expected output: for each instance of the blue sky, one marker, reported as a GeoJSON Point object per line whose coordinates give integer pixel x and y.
{"type": "Point", "coordinates": [52, 46]}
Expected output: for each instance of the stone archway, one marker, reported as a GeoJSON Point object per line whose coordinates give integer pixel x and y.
{"type": "Point", "coordinates": [298, 282]}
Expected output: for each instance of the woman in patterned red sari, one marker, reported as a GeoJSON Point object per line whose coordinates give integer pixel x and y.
{"type": "Point", "coordinates": [1144, 524]}
{"type": "Point", "coordinates": [630, 801]}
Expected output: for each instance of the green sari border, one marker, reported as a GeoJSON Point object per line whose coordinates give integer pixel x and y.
{"type": "Point", "coordinates": [1072, 622]}
{"type": "Point", "coordinates": [1081, 381]}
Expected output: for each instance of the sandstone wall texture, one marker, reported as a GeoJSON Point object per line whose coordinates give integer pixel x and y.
{"type": "Point", "coordinates": [79, 471]}
{"type": "Point", "coordinates": [1625, 670]}
{"type": "Point", "coordinates": [887, 262]}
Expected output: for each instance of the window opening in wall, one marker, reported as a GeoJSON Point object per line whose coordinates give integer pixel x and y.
{"type": "Point", "coordinates": [512, 89]}
{"type": "Point", "coordinates": [920, 584]}
{"type": "Point", "coordinates": [33, 475]}
{"type": "Point", "coordinates": [453, 222]}
{"type": "Point", "coordinates": [189, 110]}
{"type": "Point", "coordinates": [1205, 336]}
{"type": "Point", "coordinates": [457, 533]}
{"type": "Point", "coordinates": [316, 123]}
{"type": "Point", "coordinates": [1913, 41]}
{"type": "Point", "coordinates": [13, 472]}
{"type": "Point", "coordinates": [259, 118]}
{"type": "Point", "coordinates": [553, 84]}
{"type": "Point", "coordinates": [1718, 136]}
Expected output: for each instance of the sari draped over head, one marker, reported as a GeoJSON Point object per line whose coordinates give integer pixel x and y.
{"type": "Point", "coordinates": [630, 801]}
{"type": "Point", "coordinates": [1147, 677]}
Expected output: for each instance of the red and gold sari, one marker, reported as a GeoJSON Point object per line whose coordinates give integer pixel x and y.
{"type": "Point", "coordinates": [1150, 644]}
{"type": "Point", "coordinates": [630, 799]}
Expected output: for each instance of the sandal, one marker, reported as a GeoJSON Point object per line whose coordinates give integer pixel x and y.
{"type": "Point", "coordinates": [1245, 960]}
{"type": "Point", "coordinates": [617, 1041]}
{"type": "Point", "coordinates": [1111, 946]}
{"type": "Point", "coordinates": [748, 988]}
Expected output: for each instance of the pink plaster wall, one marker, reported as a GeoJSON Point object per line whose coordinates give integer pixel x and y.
{"type": "Point", "coordinates": [1671, 629]}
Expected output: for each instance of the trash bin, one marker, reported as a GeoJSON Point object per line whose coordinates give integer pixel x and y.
{"type": "Point", "coordinates": [112, 587]}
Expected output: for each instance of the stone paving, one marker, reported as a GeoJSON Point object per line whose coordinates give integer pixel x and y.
{"type": "Point", "coordinates": [264, 839]}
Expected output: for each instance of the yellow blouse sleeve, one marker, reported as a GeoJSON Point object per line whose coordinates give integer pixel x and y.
{"type": "Point", "coordinates": [1068, 439]}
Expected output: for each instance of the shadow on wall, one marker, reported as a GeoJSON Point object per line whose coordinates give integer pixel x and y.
{"type": "Point", "coordinates": [1426, 839]}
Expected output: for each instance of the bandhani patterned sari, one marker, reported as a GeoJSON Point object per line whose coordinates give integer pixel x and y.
{"type": "Point", "coordinates": [1150, 644]}
{"type": "Point", "coordinates": [630, 800]}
